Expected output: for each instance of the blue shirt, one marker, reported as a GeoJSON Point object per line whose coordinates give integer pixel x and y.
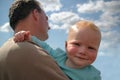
{"type": "Point", "coordinates": [86, 73]}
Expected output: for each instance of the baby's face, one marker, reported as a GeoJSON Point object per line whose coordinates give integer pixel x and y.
{"type": "Point", "coordinates": [82, 47]}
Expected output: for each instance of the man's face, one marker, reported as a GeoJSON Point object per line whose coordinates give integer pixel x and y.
{"type": "Point", "coordinates": [43, 25]}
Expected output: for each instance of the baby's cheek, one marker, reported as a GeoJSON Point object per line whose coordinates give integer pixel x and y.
{"type": "Point", "coordinates": [71, 51]}
{"type": "Point", "coordinates": [92, 58]}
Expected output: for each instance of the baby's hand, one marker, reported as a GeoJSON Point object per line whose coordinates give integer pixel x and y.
{"type": "Point", "coordinates": [22, 36]}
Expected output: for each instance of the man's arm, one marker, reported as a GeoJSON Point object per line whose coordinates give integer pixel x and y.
{"type": "Point", "coordinates": [29, 62]}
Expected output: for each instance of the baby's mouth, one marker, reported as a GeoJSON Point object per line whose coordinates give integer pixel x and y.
{"type": "Point", "coordinates": [82, 57]}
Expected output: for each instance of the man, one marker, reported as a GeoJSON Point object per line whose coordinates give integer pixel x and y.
{"type": "Point", "coordinates": [27, 61]}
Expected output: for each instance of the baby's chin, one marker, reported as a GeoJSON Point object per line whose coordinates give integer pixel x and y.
{"type": "Point", "coordinates": [82, 65]}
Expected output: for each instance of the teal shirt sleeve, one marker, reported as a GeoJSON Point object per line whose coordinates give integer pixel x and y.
{"type": "Point", "coordinates": [44, 45]}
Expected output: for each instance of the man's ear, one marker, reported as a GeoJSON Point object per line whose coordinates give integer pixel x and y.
{"type": "Point", "coordinates": [35, 14]}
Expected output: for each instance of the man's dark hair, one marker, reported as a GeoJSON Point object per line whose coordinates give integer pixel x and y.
{"type": "Point", "coordinates": [20, 9]}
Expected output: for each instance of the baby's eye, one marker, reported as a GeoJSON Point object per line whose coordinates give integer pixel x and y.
{"type": "Point", "coordinates": [77, 44]}
{"type": "Point", "coordinates": [91, 48]}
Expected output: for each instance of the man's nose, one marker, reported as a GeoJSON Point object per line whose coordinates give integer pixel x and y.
{"type": "Point", "coordinates": [47, 18]}
{"type": "Point", "coordinates": [48, 27]}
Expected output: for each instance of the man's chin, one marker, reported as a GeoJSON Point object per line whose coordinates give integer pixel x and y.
{"type": "Point", "coordinates": [45, 38]}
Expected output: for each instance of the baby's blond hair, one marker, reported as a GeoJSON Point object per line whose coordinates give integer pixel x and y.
{"type": "Point", "coordinates": [82, 24]}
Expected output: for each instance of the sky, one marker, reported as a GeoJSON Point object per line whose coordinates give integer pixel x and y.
{"type": "Point", "coordinates": [63, 14]}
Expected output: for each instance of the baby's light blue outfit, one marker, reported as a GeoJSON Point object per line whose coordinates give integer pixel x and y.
{"type": "Point", "coordinates": [87, 73]}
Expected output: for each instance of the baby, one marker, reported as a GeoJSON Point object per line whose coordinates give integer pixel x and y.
{"type": "Point", "coordinates": [81, 47]}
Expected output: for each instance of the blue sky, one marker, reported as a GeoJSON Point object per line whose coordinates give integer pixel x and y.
{"type": "Point", "coordinates": [64, 13]}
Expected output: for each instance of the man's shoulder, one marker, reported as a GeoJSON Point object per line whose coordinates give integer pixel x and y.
{"type": "Point", "coordinates": [19, 50]}
{"type": "Point", "coordinates": [11, 46]}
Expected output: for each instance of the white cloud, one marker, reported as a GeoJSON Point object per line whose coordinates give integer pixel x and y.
{"type": "Point", "coordinates": [110, 16]}
{"type": "Point", "coordinates": [63, 19]}
{"type": "Point", "coordinates": [107, 22]}
{"type": "Point", "coordinates": [90, 6]}
{"type": "Point", "coordinates": [99, 5]}
{"type": "Point", "coordinates": [51, 5]}
{"type": "Point", "coordinates": [110, 42]}
{"type": "Point", "coordinates": [112, 7]}
{"type": "Point", "coordinates": [110, 34]}
{"type": "Point", "coordinates": [53, 26]}
{"type": "Point", "coordinates": [6, 28]}
{"type": "Point", "coordinates": [110, 12]}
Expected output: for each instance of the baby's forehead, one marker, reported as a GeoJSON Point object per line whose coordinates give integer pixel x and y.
{"type": "Point", "coordinates": [84, 25]}
{"type": "Point", "coordinates": [74, 28]}
{"type": "Point", "coordinates": [79, 28]}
